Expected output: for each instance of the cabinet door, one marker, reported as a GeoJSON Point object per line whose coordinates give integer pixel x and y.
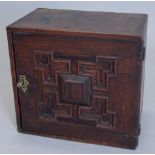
{"type": "Point", "coordinates": [78, 87]}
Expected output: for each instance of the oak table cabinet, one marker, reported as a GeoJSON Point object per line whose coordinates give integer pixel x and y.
{"type": "Point", "coordinates": [78, 75]}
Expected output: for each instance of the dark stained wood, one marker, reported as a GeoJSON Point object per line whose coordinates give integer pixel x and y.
{"type": "Point", "coordinates": [83, 73]}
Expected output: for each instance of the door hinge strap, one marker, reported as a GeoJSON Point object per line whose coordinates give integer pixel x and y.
{"type": "Point", "coordinates": [143, 53]}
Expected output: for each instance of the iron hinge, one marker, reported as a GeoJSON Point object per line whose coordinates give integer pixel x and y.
{"type": "Point", "coordinates": [143, 54]}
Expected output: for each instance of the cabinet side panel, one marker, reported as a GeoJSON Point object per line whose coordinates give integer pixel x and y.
{"type": "Point", "coordinates": [14, 78]}
{"type": "Point", "coordinates": [142, 85]}
{"type": "Point", "coordinates": [143, 63]}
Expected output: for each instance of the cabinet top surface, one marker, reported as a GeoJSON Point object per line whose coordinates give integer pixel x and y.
{"type": "Point", "coordinates": [128, 24]}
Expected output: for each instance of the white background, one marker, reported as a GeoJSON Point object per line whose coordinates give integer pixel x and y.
{"type": "Point", "coordinates": [13, 142]}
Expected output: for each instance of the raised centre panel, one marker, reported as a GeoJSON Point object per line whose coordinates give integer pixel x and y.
{"type": "Point", "coordinates": [74, 89]}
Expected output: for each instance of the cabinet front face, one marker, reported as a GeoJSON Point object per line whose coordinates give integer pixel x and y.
{"type": "Point", "coordinates": [77, 87]}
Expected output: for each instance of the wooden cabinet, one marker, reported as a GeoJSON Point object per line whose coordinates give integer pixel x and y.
{"type": "Point", "coordinates": [77, 75]}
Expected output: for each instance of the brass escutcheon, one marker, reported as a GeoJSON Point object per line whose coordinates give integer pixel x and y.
{"type": "Point", "coordinates": [23, 83]}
